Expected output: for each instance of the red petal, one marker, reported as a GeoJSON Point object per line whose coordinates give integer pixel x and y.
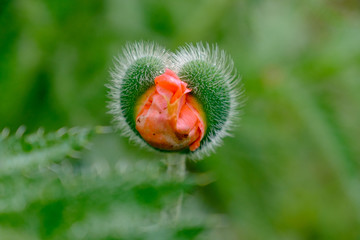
{"type": "Point", "coordinates": [169, 118]}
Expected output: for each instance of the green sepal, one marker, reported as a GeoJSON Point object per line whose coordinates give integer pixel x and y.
{"type": "Point", "coordinates": [203, 78]}
{"type": "Point", "coordinates": [137, 80]}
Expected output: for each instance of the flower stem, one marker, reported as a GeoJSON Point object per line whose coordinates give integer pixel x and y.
{"type": "Point", "coordinates": [176, 166]}
{"type": "Point", "coordinates": [176, 169]}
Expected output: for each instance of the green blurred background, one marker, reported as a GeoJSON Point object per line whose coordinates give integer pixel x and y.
{"type": "Point", "coordinates": [291, 169]}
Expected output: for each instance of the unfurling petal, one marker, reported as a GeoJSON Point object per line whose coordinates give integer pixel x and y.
{"type": "Point", "coordinates": [168, 118]}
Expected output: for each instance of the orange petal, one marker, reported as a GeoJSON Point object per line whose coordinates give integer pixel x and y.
{"type": "Point", "coordinates": [168, 117]}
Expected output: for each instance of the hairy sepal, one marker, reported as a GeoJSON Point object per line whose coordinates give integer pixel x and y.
{"type": "Point", "coordinates": [209, 72]}
{"type": "Point", "coordinates": [134, 73]}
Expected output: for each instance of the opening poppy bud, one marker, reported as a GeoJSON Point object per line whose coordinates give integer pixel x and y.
{"type": "Point", "coordinates": [190, 112]}
{"type": "Point", "coordinates": [168, 117]}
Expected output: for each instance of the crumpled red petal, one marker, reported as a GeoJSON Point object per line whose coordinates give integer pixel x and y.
{"type": "Point", "coordinates": [168, 117]}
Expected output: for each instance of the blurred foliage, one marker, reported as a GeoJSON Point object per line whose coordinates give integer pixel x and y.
{"type": "Point", "coordinates": [49, 190]}
{"type": "Point", "coordinates": [291, 171]}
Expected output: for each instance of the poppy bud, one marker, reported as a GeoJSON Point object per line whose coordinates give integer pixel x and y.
{"type": "Point", "coordinates": [184, 102]}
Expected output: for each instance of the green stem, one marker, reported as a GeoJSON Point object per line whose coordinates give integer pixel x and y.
{"type": "Point", "coordinates": [176, 169]}
{"type": "Point", "coordinates": [176, 166]}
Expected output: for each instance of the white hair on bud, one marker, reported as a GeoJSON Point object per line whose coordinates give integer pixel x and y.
{"type": "Point", "coordinates": [224, 66]}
